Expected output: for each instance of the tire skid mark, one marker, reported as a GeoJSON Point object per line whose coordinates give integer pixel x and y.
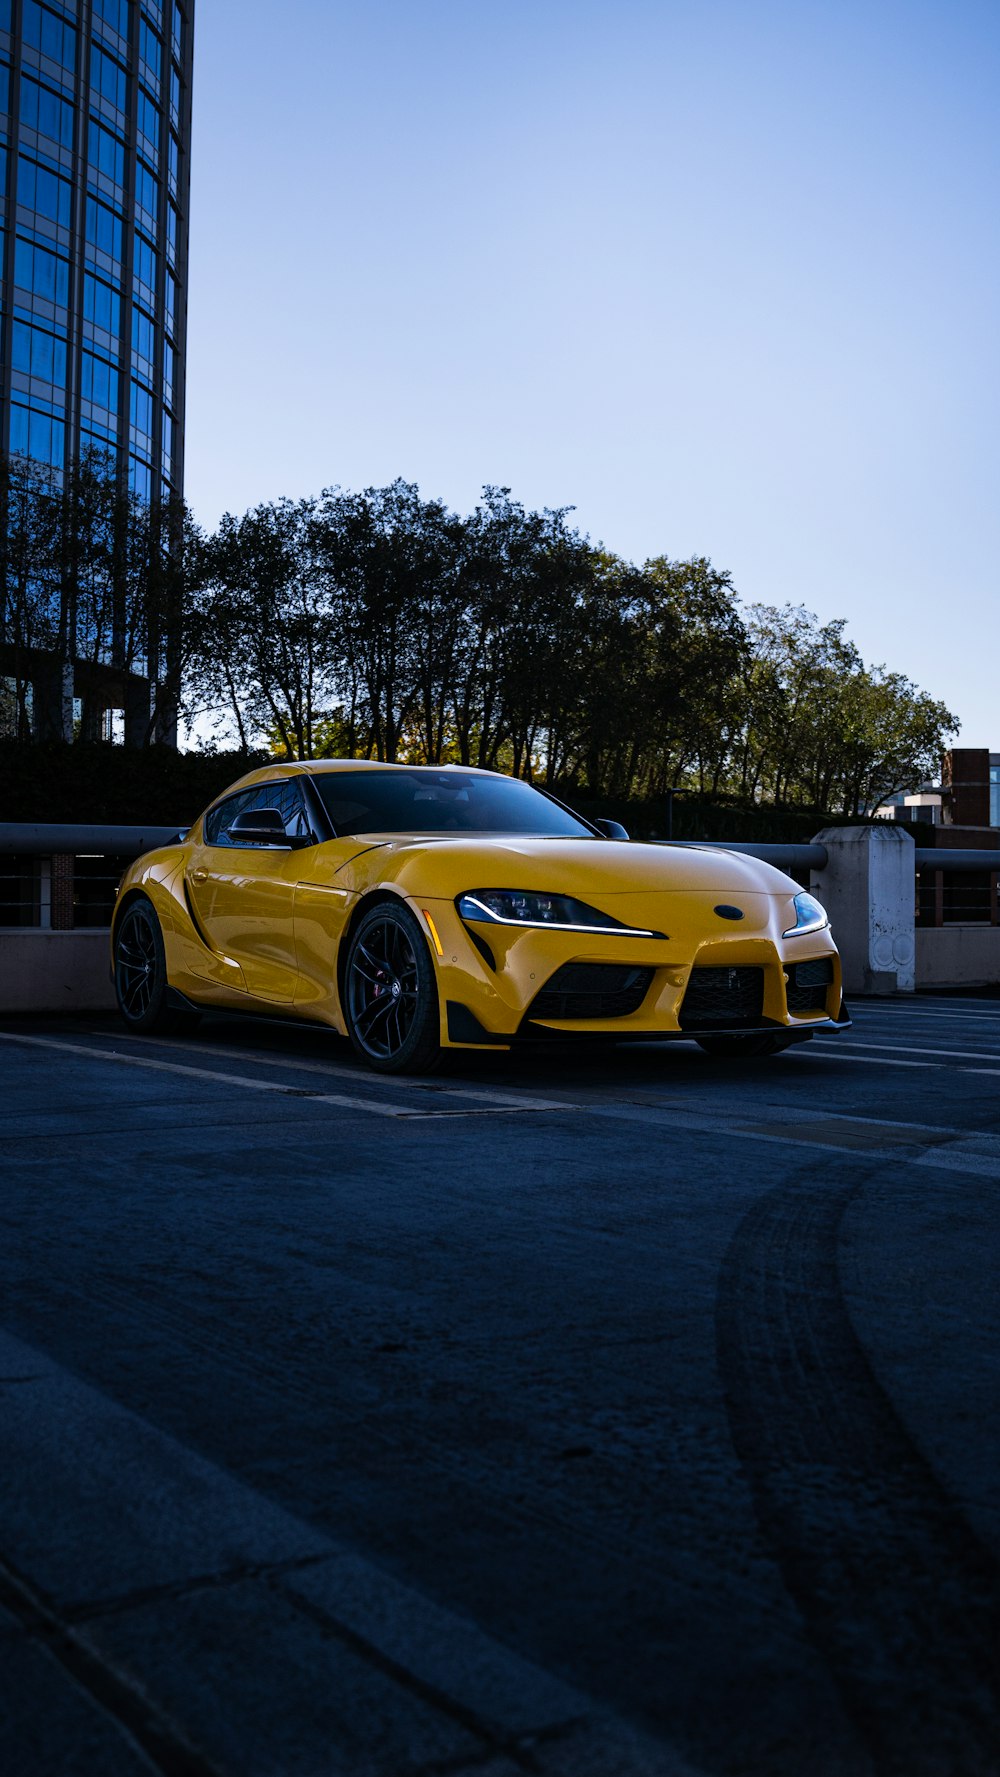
{"type": "Point", "coordinates": [895, 1588]}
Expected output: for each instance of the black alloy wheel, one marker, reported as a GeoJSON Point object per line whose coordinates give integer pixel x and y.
{"type": "Point", "coordinates": [748, 1048]}
{"type": "Point", "coordinates": [141, 982]}
{"type": "Point", "coordinates": [390, 994]}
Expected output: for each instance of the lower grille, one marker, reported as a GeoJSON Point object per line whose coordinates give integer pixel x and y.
{"type": "Point", "coordinates": [808, 983]}
{"type": "Point", "coordinates": [592, 990]}
{"type": "Point", "coordinates": [728, 997]}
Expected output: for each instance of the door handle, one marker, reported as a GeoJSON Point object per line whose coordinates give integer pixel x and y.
{"type": "Point", "coordinates": [199, 876]}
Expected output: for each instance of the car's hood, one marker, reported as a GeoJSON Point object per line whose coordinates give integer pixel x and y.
{"type": "Point", "coordinates": [446, 865]}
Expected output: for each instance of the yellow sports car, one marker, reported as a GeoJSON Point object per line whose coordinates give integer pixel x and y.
{"type": "Point", "coordinates": [421, 908]}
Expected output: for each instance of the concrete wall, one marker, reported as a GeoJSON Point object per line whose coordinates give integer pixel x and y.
{"type": "Point", "coordinates": [958, 956]}
{"type": "Point", "coordinates": [55, 971]}
{"type": "Point", "coordinates": [44, 971]}
{"type": "Point", "coordinates": [866, 887]}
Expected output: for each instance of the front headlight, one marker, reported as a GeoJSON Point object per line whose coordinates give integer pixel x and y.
{"type": "Point", "coordinates": [527, 907]}
{"type": "Point", "coordinates": [810, 916]}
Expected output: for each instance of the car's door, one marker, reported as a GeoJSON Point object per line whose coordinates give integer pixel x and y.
{"type": "Point", "coordinates": [243, 894]}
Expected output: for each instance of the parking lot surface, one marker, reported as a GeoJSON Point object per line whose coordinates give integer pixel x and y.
{"type": "Point", "coordinates": [583, 1413]}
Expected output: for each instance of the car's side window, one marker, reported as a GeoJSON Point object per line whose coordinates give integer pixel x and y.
{"type": "Point", "coordinates": [286, 797]}
{"type": "Point", "coordinates": [224, 813]}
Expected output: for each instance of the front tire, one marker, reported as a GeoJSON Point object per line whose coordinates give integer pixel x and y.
{"type": "Point", "coordinates": [140, 965]}
{"type": "Point", "coordinates": [749, 1048]}
{"type": "Point", "coordinates": [390, 993]}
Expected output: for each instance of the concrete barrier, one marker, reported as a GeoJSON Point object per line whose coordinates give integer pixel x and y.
{"type": "Point", "coordinates": [55, 971]}
{"type": "Point", "coordinates": [958, 956]}
{"type": "Point", "coordinates": [866, 886]}
{"type": "Point", "coordinates": [863, 875]}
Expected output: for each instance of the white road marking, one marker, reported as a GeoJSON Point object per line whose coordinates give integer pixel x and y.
{"type": "Point", "coordinates": [957, 1160]}
{"type": "Point", "coordinates": [922, 1049]}
{"type": "Point", "coordinates": [509, 1100]}
{"type": "Point", "coordinates": [869, 1060]}
{"type": "Point", "coordinates": [953, 1149]}
{"type": "Point", "coordinates": [373, 1106]}
{"type": "Point", "coordinates": [967, 1155]}
{"type": "Point", "coordinates": [917, 1014]}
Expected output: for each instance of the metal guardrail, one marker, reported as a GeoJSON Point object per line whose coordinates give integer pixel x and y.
{"type": "Point", "coordinates": [816, 857]}
{"type": "Point", "coordinates": [48, 840]}
{"type": "Point", "coordinates": [63, 875]}
{"type": "Point", "coordinates": [793, 857]}
{"type": "Point", "coordinates": [933, 857]}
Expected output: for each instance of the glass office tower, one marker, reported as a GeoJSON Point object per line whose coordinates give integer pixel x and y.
{"type": "Point", "coordinates": [95, 129]}
{"type": "Point", "coordinates": [96, 100]}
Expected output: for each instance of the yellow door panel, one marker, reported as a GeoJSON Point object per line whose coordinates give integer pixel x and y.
{"type": "Point", "coordinates": [243, 898]}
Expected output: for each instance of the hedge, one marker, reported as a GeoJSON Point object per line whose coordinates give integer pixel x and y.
{"type": "Point", "coordinates": [99, 782]}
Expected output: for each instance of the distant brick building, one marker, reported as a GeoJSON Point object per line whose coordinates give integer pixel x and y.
{"type": "Point", "coordinates": [970, 787]}
{"type": "Point", "coordinates": [967, 796]}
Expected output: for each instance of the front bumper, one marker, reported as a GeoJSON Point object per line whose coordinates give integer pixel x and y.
{"type": "Point", "coordinates": [465, 1032]}
{"type": "Point", "coordinates": [490, 979]}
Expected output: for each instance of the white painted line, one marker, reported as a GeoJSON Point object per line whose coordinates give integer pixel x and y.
{"type": "Point", "coordinates": [785, 1134]}
{"type": "Point", "coordinates": [978, 1154]}
{"type": "Point", "coordinates": [371, 1106]}
{"type": "Point", "coordinates": [869, 1060]}
{"type": "Point", "coordinates": [204, 1073]}
{"type": "Point", "coordinates": [921, 1049]}
{"type": "Point", "coordinates": [979, 1164]}
{"type": "Point", "coordinates": [915, 1014]}
{"type": "Point", "coordinates": [509, 1100]}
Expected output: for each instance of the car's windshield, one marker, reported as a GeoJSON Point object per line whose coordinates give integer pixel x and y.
{"type": "Point", "coordinates": [423, 800]}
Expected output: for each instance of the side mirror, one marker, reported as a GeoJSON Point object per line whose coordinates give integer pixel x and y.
{"type": "Point", "coordinates": [611, 829]}
{"type": "Point", "coordinates": [259, 826]}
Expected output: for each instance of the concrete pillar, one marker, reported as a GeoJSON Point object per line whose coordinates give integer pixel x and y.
{"type": "Point", "coordinates": [867, 888]}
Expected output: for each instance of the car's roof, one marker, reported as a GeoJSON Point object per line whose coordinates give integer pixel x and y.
{"type": "Point", "coordinates": [281, 769]}
{"type": "Point", "coordinates": [322, 765]}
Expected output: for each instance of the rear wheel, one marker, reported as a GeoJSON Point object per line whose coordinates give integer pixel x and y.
{"type": "Point", "coordinates": [390, 993]}
{"type": "Point", "coordinates": [745, 1048]}
{"type": "Point", "coordinates": [140, 966]}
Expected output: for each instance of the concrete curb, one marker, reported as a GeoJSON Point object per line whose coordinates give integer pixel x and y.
{"type": "Point", "coordinates": [149, 1579]}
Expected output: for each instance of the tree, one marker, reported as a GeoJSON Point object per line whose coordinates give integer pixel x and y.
{"type": "Point", "coordinates": [264, 626]}
{"type": "Point", "coordinates": [822, 729]}
{"type": "Point", "coordinates": [380, 624]}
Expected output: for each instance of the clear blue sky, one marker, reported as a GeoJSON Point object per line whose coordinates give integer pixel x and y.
{"type": "Point", "coordinates": [723, 275]}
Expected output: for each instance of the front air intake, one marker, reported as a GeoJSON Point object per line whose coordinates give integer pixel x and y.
{"type": "Point", "coordinates": [722, 999]}
{"type": "Point", "coordinates": [808, 983]}
{"type": "Point", "coordinates": [592, 990]}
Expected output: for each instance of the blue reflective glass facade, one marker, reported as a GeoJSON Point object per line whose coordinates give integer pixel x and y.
{"type": "Point", "coordinates": [95, 129]}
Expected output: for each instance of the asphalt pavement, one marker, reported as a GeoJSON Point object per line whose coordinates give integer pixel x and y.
{"type": "Point", "coordinates": [619, 1414]}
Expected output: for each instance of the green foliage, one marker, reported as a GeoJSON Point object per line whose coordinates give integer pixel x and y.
{"type": "Point", "coordinates": [380, 624]}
